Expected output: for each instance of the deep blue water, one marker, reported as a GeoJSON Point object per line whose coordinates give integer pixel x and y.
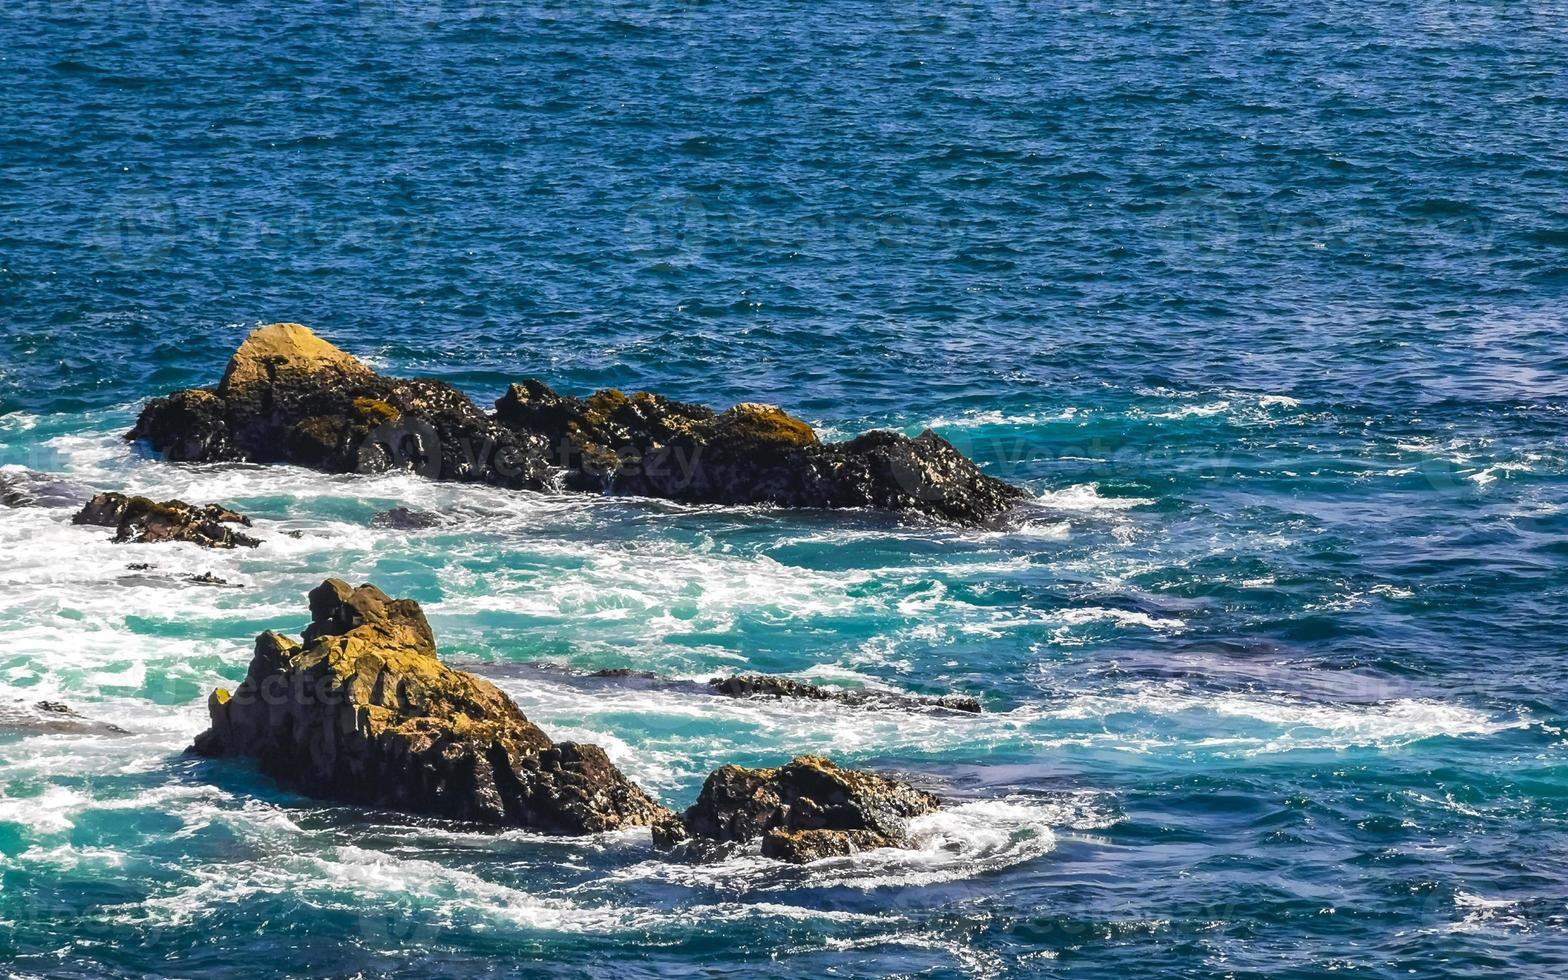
{"type": "Point", "coordinates": [1264, 301]}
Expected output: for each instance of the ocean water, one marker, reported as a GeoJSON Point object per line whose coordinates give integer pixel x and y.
{"type": "Point", "coordinates": [1262, 302]}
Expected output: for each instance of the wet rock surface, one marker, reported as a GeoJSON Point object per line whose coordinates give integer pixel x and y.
{"type": "Point", "coordinates": [769, 686]}
{"type": "Point", "coordinates": [142, 520]}
{"type": "Point", "coordinates": [362, 711]}
{"type": "Point", "coordinates": [290, 397]}
{"type": "Point", "coordinates": [804, 811]}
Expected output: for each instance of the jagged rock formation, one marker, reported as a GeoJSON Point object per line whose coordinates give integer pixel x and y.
{"type": "Point", "coordinates": [290, 397]}
{"type": "Point", "coordinates": [145, 521]}
{"type": "Point", "coordinates": [804, 811]}
{"type": "Point", "coordinates": [767, 686]}
{"type": "Point", "coordinates": [363, 711]}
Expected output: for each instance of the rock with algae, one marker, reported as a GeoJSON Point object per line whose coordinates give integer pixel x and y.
{"type": "Point", "coordinates": [648, 445]}
{"type": "Point", "coordinates": [363, 711]}
{"type": "Point", "coordinates": [288, 396]}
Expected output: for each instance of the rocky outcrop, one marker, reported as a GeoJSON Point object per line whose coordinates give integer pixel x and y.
{"type": "Point", "coordinates": [768, 686]}
{"type": "Point", "coordinates": [804, 811]}
{"type": "Point", "coordinates": [145, 521]}
{"type": "Point", "coordinates": [27, 488]}
{"type": "Point", "coordinates": [363, 711]}
{"type": "Point", "coordinates": [648, 445]}
{"type": "Point", "coordinates": [288, 396]}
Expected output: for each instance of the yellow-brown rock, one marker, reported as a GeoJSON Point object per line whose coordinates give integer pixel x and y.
{"type": "Point", "coordinates": [363, 711]}
{"type": "Point", "coordinates": [279, 348]}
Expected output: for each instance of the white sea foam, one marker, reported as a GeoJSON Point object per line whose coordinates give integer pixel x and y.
{"type": "Point", "coordinates": [1193, 411]}
{"type": "Point", "coordinates": [990, 417]}
{"type": "Point", "coordinates": [397, 897]}
{"type": "Point", "coordinates": [1282, 723]}
{"type": "Point", "coordinates": [1086, 497]}
{"type": "Point", "coordinates": [1483, 914]}
{"type": "Point", "coordinates": [963, 841]}
{"type": "Point", "coordinates": [68, 857]}
{"type": "Point", "coordinates": [51, 812]}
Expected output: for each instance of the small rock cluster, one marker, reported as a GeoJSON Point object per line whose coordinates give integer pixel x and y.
{"type": "Point", "coordinates": [143, 520]}
{"type": "Point", "coordinates": [804, 811]}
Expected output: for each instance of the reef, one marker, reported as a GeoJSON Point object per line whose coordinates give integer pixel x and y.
{"type": "Point", "coordinates": [769, 686]}
{"type": "Point", "coordinates": [288, 396]}
{"type": "Point", "coordinates": [143, 520]}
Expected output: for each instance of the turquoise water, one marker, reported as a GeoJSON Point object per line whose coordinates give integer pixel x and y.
{"type": "Point", "coordinates": [1263, 304]}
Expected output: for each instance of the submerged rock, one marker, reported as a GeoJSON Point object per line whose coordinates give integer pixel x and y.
{"type": "Point", "coordinates": [28, 488]}
{"type": "Point", "coordinates": [403, 519]}
{"type": "Point", "coordinates": [145, 521]}
{"type": "Point", "coordinates": [648, 445]}
{"type": "Point", "coordinates": [288, 396]}
{"type": "Point", "coordinates": [363, 711]}
{"type": "Point", "coordinates": [51, 718]}
{"type": "Point", "coordinates": [767, 686]}
{"type": "Point", "coordinates": [804, 811]}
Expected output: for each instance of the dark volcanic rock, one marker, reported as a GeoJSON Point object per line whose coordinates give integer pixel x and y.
{"type": "Point", "coordinates": [648, 445]}
{"type": "Point", "coordinates": [803, 811]}
{"type": "Point", "coordinates": [27, 488]}
{"type": "Point", "coordinates": [145, 521]}
{"type": "Point", "coordinates": [290, 397]}
{"type": "Point", "coordinates": [364, 712]}
{"type": "Point", "coordinates": [763, 685]}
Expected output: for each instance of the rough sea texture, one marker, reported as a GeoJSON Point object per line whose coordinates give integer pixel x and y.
{"type": "Point", "coordinates": [1263, 302]}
